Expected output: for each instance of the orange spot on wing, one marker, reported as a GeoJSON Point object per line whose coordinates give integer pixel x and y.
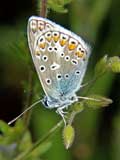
{"type": "Point", "coordinates": [56, 38]}
{"type": "Point", "coordinates": [49, 38]}
{"type": "Point", "coordinates": [41, 25]}
{"type": "Point", "coordinates": [37, 53]}
{"type": "Point", "coordinates": [79, 54]}
{"type": "Point", "coordinates": [62, 42]}
{"type": "Point", "coordinates": [42, 45]}
{"type": "Point", "coordinates": [41, 28]}
{"type": "Point", "coordinates": [71, 46]}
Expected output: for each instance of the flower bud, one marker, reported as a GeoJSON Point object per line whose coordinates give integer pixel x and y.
{"type": "Point", "coordinates": [68, 136]}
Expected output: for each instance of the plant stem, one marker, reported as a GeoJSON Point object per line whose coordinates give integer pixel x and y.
{"type": "Point", "coordinates": [71, 118]}
{"type": "Point", "coordinates": [43, 8]}
{"type": "Point", "coordinates": [26, 116]}
{"type": "Point", "coordinates": [41, 140]}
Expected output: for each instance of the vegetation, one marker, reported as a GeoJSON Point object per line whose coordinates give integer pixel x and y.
{"type": "Point", "coordinates": [40, 133]}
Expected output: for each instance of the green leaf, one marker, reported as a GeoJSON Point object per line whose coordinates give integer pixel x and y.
{"type": "Point", "coordinates": [101, 66]}
{"type": "Point", "coordinates": [17, 131]}
{"type": "Point", "coordinates": [58, 5]}
{"type": "Point", "coordinates": [114, 64]}
{"type": "Point", "coordinates": [11, 134]}
{"type": "Point", "coordinates": [6, 131]}
{"type": "Point", "coordinates": [97, 101]}
{"type": "Point", "coordinates": [4, 128]}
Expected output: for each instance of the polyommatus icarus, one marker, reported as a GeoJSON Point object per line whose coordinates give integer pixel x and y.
{"type": "Point", "coordinates": [60, 58]}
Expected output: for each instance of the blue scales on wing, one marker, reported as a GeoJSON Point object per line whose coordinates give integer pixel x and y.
{"type": "Point", "coordinates": [60, 58]}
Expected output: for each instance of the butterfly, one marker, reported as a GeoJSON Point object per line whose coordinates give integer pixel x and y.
{"type": "Point", "coordinates": [60, 58]}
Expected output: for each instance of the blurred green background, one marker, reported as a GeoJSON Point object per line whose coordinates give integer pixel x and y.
{"type": "Point", "coordinates": [97, 131]}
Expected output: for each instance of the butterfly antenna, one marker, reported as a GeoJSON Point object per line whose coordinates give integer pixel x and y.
{"type": "Point", "coordinates": [88, 98]}
{"type": "Point", "coordinates": [26, 110]}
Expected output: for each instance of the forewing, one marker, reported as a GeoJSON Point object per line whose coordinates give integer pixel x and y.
{"type": "Point", "coordinates": [60, 57]}
{"type": "Point", "coordinates": [36, 30]}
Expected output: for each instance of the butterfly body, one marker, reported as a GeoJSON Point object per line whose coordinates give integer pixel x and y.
{"type": "Point", "coordinates": [60, 58]}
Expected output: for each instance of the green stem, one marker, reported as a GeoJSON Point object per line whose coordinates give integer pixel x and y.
{"type": "Point", "coordinates": [26, 116]}
{"type": "Point", "coordinates": [71, 117]}
{"type": "Point", "coordinates": [41, 140]}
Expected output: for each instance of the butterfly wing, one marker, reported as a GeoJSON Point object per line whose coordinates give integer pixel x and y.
{"type": "Point", "coordinates": [60, 57]}
{"type": "Point", "coordinates": [37, 29]}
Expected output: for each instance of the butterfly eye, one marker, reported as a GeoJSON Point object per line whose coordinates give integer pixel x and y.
{"type": "Point", "coordinates": [56, 36]}
{"type": "Point", "coordinates": [67, 58]}
{"type": "Point", "coordinates": [77, 72]}
{"type": "Point", "coordinates": [44, 58]}
{"type": "Point", "coordinates": [48, 36]}
{"type": "Point", "coordinates": [48, 81]}
{"type": "Point", "coordinates": [33, 25]}
{"type": "Point", "coordinates": [59, 77]}
{"type": "Point", "coordinates": [40, 25]}
{"type": "Point", "coordinates": [63, 39]}
{"type": "Point", "coordinates": [74, 62]}
{"type": "Point", "coordinates": [72, 44]}
{"type": "Point", "coordinates": [42, 68]}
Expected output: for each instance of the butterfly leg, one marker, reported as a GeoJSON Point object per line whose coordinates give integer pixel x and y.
{"type": "Point", "coordinates": [88, 98]}
{"type": "Point", "coordinates": [62, 113]}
